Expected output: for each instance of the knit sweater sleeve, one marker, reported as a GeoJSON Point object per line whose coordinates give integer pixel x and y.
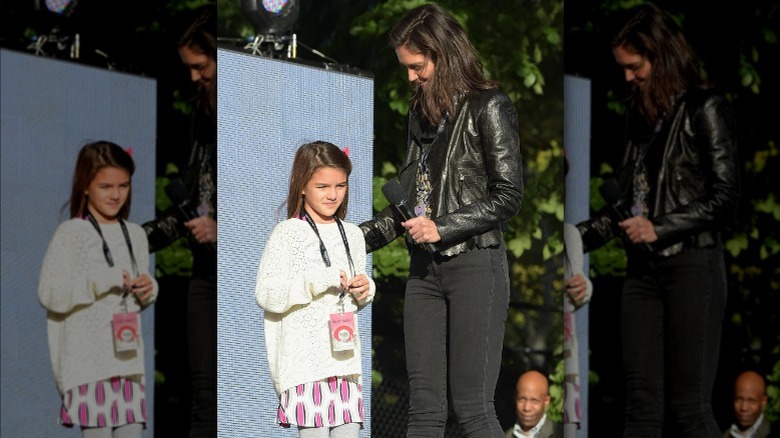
{"type": "Point", "coordinates": [357, 240]}
{"type": "Point", "coordinates": [574, 259]}
{"type": "Point", "coordinates": [291, 270]}
{"type": "Point", "coordinates": [141, 251]}
{"type": "Point", "coordinates": [69, 277]}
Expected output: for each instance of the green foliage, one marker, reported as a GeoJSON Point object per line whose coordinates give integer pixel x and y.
{"type": "Point", "coordinates": [555, 410]}
{"type": "Point", "coordinates": [393, 259]}
{"type": "Point", "coordinates": [159, 378]}
{"type": "Point", "coordinates": [609, 259]}
{"type": "Point", "coordinates": [180, 104]}
{"type": "Point", "coordinates": [175, 259]}
{"type": "Point", "coordinates": [232, 21]}
{"type": "Point", "coordinates": [748, 73]}
{"type": "Point", "coordinates": [772, 410]}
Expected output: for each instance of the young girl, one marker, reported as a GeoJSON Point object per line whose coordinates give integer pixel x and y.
{"type": "Point", "coordinates": [310, 282]}
{"type": "Point", "coordinates": [93, 283]}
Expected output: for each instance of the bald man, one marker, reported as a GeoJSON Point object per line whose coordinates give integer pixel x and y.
{"type": "Point", "coordinates": [749, 404]}
{"type": "Point", "coordinates": [532, 397]}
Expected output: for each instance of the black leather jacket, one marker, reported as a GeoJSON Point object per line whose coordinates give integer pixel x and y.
{"type": "Point", "coordinates": [476, 172]}
{"type": "Point", "coordinates": [170, 227]}
{"type": "Point", "coordinates": [697, 186]}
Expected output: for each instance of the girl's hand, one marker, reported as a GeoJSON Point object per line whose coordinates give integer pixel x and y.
{"type": "Point", "coordinates": [343, 280]}
{"type": "Point", "coordinates": [576, 288]}
{"type": "Point", "coordinates": [126, 281]}
{"type": "Point", "coordinates": [142, 287]}
{"type": "Point", "coordinates": [358, 286]}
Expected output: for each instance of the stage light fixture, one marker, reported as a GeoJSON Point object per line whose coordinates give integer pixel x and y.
{"type": "Point", "coordinates": [271, 17]}
{"type": "Point", "coordinates": [61, 7]}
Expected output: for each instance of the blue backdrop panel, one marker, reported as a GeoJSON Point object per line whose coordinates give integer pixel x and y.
{"type": "Point", "coordinates": [266, 109]}
{"type": "Point", "coordinates": [48, 110]}
{"type": "Point", "coordinates": [576, 136]}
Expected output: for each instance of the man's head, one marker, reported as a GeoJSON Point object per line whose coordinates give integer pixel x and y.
{"type": "Point", "coordinates": [531, 398]}
{"type": "Point", "coordinates": [749, 398]}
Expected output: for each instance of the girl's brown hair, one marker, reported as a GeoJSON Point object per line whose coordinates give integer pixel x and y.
{"type": "Point", "coordinates": [309, 158]}
{"type": "Point", "coordinates": [92, 158]}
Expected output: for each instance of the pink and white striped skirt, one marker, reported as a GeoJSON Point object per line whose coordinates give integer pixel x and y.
{"type": "Point", "coordinates": [113, 402]}
{"type": "Point", "coordinates": [326, 403]}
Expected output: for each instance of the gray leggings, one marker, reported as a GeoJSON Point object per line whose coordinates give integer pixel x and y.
{"type": "Point", "coordinates": [349, 430]}
{"type": "Point", "coordinates": [127, 431]}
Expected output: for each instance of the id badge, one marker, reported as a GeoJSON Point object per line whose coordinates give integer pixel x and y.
{"type": "Point", "coordinates": [126, 331]}
{"type": "Point", "coordinates": [343, 331]}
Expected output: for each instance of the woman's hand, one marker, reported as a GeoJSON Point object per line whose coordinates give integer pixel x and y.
{"type": "Point", "coordinates": [422, 230]}
{"type": "Point", "coordinates": [639, 229]}
{"type": "Point", "coordinates": [203, 228]}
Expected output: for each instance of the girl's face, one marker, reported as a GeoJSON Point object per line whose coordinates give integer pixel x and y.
{"type": "Point", "coordinates": [636, 67]}
{"type": "Point", "coordinates": [324, 193]}
{"type": "Point", "coordinates": [107, 193]}
{"type": "Point", "coordinates": [418, 67]}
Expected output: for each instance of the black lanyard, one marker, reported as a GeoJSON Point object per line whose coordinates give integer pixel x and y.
{"type": "Point", "coordinates": [323, 250]}
{"type": "Point", "coordinates": [107, 251]}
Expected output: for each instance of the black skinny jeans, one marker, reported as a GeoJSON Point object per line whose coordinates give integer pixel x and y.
{"type": "Point", "coordinates": [202, 341]}
{"type": "Point", "coordinates": [672, 313]}
{"type": "Point", "coordinates": [454, 315]}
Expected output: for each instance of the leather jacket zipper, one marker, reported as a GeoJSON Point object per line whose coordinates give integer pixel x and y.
{"type": "Point", "coordinates": [461, 179]}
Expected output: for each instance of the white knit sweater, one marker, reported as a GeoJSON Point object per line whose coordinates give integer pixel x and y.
{"type": "Point", "coordinates": [81, 293]}
{"type": "Point", "coordinates": [298, 294]}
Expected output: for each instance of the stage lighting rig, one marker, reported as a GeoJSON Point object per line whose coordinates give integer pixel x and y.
{"type": "Point", "coordinates": [58, 42]}
{"type": "Point", "coordinates": [56, 45]}
{"type": "Point", "coordinates": [272, 21]}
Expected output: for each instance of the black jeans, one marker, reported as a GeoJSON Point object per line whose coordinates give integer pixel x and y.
{"type": "Point", "coordinates": [202, 342]}
{"type": "Point", "coordinates": [454, 315]}
{"type": "Point", "coordinates": [672, 313]}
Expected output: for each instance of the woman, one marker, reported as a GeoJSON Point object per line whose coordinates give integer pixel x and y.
{"type": "Point", "coordinates": [197, 47]}
{"type": "Point", "coordinates": [680, 174]}
{"type": "Point", "coordinates": [463, 173]}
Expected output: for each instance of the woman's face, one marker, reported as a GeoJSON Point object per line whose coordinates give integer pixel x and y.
{"type": "Point", "coordinates": [203, 70]}
{"type": "Point", "coordinates": [107, 193]}
{"type": "Point", "coordinates": [636, 67]}
{"type": "Point", "coordinates": [324, 193]}
{"type": "Point", "coordinates": [419, 68]}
